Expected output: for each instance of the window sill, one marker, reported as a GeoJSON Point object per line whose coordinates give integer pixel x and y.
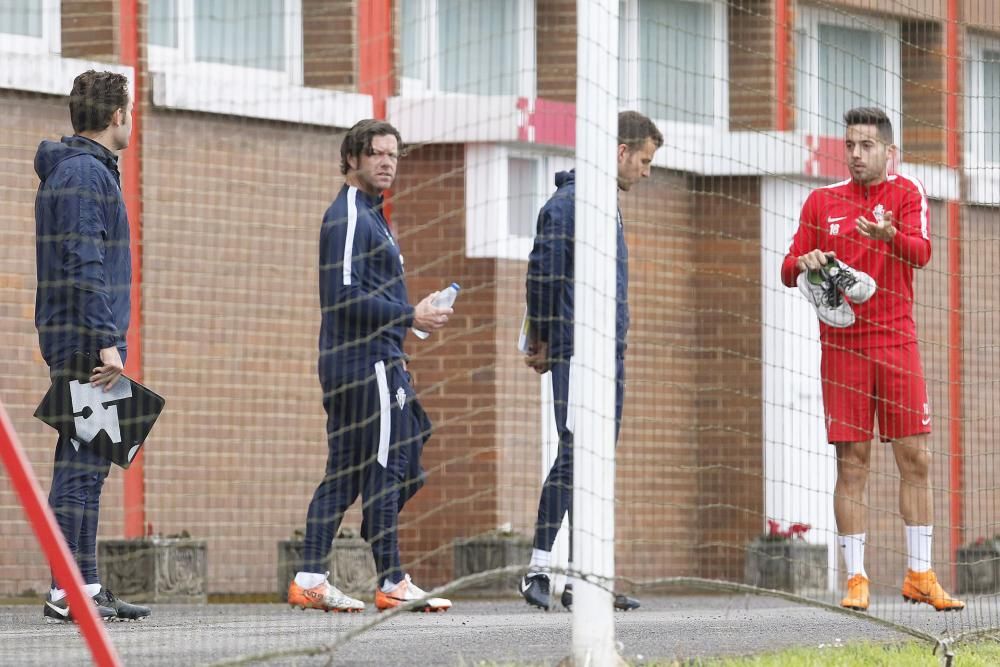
{"type": "Point", "coordinates": [984, 184]}
{"type": "Point", "coordinates": [179, 88]}
{"type": "Point", "coordinates": [49, 74]}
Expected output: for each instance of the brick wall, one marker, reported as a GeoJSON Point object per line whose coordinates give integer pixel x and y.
{"type": "Point", "coordinates": [555, 24]}
{"type": "Point", "coordinates": [90, 29]}
{"type": "Point", "coordinates": [231, 316]}
{"type": "Point", "coordinates": [980, 359]}
{"type": "Point", "coordinates": [330, 43]}
{"type": "Point", "coordinates": [657, 487]}
{"type": "Point", "coordinates": [455, 370]}
{"type": "Point", "coordinates": [727, 345]}
{"type": "Point", "coordinates": [751, 65]}
{"type": "Point", "coordinates": [923, 68]}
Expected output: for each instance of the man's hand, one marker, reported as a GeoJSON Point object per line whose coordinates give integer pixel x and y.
{"type": "Point", "coordinates": [427, 317]}
{"type": "Point", "coordinates": [814, 260]}
{"type": "Point", "coordinates": [877, 231]}
{"type": "Point", "coordinates": [112, 369]}
{"type": "Point", "coordinates": [538, 357]}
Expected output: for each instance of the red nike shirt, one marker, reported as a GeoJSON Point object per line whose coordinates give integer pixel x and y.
{"type": "Point", "coordinates": [828, 223]}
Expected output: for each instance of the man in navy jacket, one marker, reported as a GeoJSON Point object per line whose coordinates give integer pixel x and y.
{"type": "Point", "coordinates": [550, 335]}
{"type": "Point", "coordinates": [375, 426]}
{"type": "Point", "coordinates": [82, 300]}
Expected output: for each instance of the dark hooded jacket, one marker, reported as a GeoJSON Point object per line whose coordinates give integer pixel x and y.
{"type": "Point", "coordinates": [84, 264]}
{"type": "Point", "coordinates": [550, 274]}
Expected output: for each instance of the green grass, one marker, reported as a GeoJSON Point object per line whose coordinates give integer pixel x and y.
{"type": "Point", "coordinates": [911, 654]}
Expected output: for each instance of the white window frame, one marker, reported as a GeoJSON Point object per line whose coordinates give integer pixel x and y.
{"type": "Point", "coordinates": [977, 46]}
{"type": "Point", "coordinates": [487, 197]}
{"type": "Point", "coordinates": [51, 40]}
{"type": "Point", "coordinates": [808, 21]}
{"type": "Point", "coordinates": [430, 85]}
{"type": "Point", "coordinates": [182, 58]}
{"type": "Point", "coordinates": [720, 92]}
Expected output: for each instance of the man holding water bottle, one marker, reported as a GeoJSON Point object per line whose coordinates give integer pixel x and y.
{"type": "Point", "coordinates": [375, 426]}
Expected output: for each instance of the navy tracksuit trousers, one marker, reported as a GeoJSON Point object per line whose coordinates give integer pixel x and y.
{"type": "Point", "coordinates": [375, 430]}
{"type": "Point", "coordinates": [75, 498]}
{"type": "Point", "coordinates": [557, 492]}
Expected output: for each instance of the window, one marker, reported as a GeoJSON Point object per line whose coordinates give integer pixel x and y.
{"type": "Point", "coordinates": [474, 47]}
{"type": "Point", "coordinates": [30, 26]}
{"type": "Point", "coordinates": [505, 188]}
{"type": "Point", "coordinates": [260, 39]}
{"type": "Point", "coordinates": [674, 62]}
{"type": "Point", "coordinates": [983, 106]}
{"type": "Point", "coordinates": [845, 61]}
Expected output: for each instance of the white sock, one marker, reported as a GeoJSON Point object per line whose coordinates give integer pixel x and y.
{"type": "Point", "coordinates": [919, 540]}
{"type": "Point", "coordinates": [92, 589]}
{"type": "Point", "coordinates": [539, 560]}
{"type": "Point", "coordinates": [309, 579]}
{"type": "Point", "coordinates": [853, 548]}
{"type": "Point", "coordinates": [56, 594]}
{"type": "Point", "coordinates": [389, 585]}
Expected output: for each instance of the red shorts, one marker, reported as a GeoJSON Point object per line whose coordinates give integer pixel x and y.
{"type": "Point", "coordinates": [883, 381]}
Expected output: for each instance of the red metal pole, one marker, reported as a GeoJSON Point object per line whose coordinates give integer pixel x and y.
{"type": "Point", "coordinates": [781, 16]}
{"type": "Point", "coordinates": [43, 522]}
{"type": "Point", "coordinates": [954, 160]}
{"type": "Point", "coordinates": [375, 71]}
{"type": "Point", "coordinates": [375, 74]}
{"type": "Point", "coordinates": [135, 476]}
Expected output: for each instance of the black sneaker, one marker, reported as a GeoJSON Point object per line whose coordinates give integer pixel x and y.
{"type": "Point", "coordinates": [535, 589]}
{"type": "Point", "coordinates": [123, 611]}
{"type": "Point", "coordinates": [58, 612]}
{"type": "Point", "coordinates": [622, 602]}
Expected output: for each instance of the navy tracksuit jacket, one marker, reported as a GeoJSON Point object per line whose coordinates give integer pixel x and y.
{"type": "Point", "coordinates": [82, 302]}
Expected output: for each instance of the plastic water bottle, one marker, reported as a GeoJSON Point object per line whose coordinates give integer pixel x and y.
{"type": "Point", "coordinates": [444, 299]}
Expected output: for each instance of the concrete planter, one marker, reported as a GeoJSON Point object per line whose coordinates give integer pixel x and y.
{"type": "Point", "coordinates": [489, 552]}
{"type": "Point", "coordinates": [351, 566]}
{"type": "Point", "coordinates": [979, 568]}
{"type": "Point", "coordinates": [155, 569]}
{"type": "Point", "coordinates": [786, 565]}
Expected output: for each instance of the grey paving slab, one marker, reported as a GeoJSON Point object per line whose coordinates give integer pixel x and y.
{"type": "Point", "coordinates": [474, 631]}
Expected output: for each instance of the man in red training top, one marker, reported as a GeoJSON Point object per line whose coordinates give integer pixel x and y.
{"type": "Point", "coordinates": [855, 235]}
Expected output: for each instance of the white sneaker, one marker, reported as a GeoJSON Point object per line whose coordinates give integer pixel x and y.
{"type": "Point", "coordinates": [406, 591]}
{"type": "Point", "coordinates": [856, 285]}
{"type": "Point", "coordinates": [822, 293]}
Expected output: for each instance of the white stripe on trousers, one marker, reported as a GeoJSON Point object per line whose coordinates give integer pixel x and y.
{"type": "Point", "coordinates": [385, 418]}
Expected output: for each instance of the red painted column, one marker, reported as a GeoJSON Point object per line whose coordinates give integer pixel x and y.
{"type": "Point", "coordinates": [135, 477]}
{"type": "Point", "coordinates": [954, 162]}
{"type": "Point", "coordinates": [781, 17]}
{"type": "Point", "coordinates": [375, 39]}
{"type": "Point", "coordinates": [375, 70]}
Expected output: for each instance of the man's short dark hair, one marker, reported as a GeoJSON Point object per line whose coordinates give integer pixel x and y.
{"type": "Point", "coordinates": [634, 129]}
{"type": "Point", "coordinates": [95, 98]}
{"type": "Point", "coordinates": [358, 140]}
{"type": "Point", "coordinates": [871, 116]}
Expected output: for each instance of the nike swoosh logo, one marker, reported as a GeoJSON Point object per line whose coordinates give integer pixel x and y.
{"type": "Point", "coordinates": [59, 610]}
{"type": "Point", "coordinates": [843, 217]}
{"type": "Point", "coordinates": [925, 421]}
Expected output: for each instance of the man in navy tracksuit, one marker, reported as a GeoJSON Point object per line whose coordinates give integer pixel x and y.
{"type": "Point", "coordinates": [375, 426]}
{"type": "Point", "coordinates": [82, 303]}
{"type": "Point", "coordinates": [550, 336]}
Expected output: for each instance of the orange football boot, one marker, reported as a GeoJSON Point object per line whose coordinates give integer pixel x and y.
{"type": "Point", "coordinates": [924, 587]}
{"type": "Point", "coordinates": [857, 593]}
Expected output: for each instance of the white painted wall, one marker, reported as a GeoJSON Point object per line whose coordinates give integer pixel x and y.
{"type": "Point", "coordinates": [799, 464]}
